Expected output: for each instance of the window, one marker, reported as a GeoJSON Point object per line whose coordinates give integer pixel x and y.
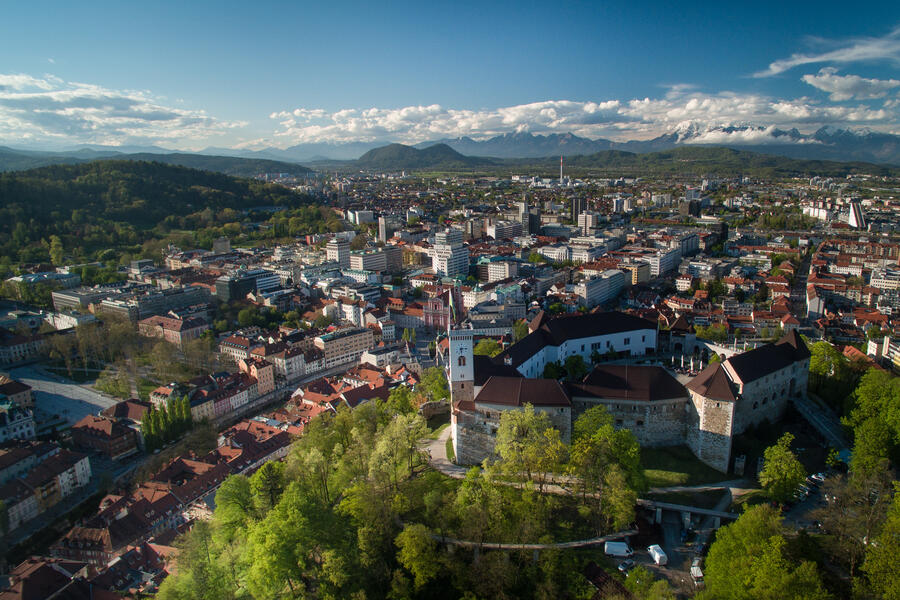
{"type": "Point", "coordinates": [618, 422]}
{"type": "Point", "coordinates": [640, 423]}
{"type": "Point", "coordinates": [643, 338]}
{"type": "Point", "coordinates": [755, 405]}
{"type": "Point", "coordinates": [462, 361]}
{"type": "Point", "coordinates": [627, 341]}
{"type": "Point", "coordinates": [582, 347]}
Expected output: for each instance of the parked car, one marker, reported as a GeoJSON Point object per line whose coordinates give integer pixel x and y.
{"type": "Point", "coordinates": [626, 566]}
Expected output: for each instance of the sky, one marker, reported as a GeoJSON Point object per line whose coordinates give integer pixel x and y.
{"type": "Point", "coordinates": [190, 75]}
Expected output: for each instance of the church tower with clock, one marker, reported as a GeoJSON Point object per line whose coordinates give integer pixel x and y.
{"type": "Point", "coordinates": [462, 369]}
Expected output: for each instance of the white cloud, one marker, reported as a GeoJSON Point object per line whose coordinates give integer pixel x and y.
{"type": "Point", "coordinates": [854, 50]}
{"type": "Point", "coordinates": [849, 87]}
{"type": "Point", "coordinates": [48, 109]}
{"type": "Point", "coordinates": [615, 119]}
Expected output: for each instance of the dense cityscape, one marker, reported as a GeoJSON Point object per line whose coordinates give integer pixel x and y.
{"type": "Point", "coordinates": [450, 301]}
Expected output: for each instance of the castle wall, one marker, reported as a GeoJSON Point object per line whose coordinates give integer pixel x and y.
{"type": "Point", "coordinates": [657, 423]}
{"type": "Point", "coordinates": [766, 398]}
{"type": "Point", "coordinates": [709, 430]}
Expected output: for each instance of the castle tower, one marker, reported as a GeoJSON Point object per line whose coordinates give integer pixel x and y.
{"type": "Point", "coordinates": [462, 369]}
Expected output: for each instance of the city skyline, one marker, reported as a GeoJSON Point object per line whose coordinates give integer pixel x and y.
{"type": "Point", "coordinates": [277, 75]}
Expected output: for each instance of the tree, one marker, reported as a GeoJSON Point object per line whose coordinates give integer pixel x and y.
{"type": "Point", "coordinates": [400, 400]}
{"type": "Point", "coordinates": [434, 384]}
{"type": "Point", "coordinates": [607, 463]}
{"type": "Point", "coordinates": [267, 485]}
{"type": "Point", "coordinates": [529, 445]}
{"type": "Point", "coordinates": [418, 553]}
{"type": "Point", "coordinates": [643, 585]}
{"type": "Point", "coordinates": [881, 556]}
{"type": "Point", "coordinates": [520, 330]}
{"type": "Point", "coordinates": [553, 370]}
{"type": "Point", "coordinates": [56, 250]}
{"type": "Point", "coordinates": [748, 562]}
{"type": "Point", "coordinates": [576, 368]}
{"type": "Point", "coordinates": [856, 508]}
{"type": "Point", "coordinates": [488, 347]}
{"type": "Point", "coordinates": [234, 502]}
{"type": "Point", "coordinates": [782, 473]}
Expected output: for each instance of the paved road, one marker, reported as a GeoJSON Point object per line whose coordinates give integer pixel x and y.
{"type": "Point", "coordinates": [55, 395]}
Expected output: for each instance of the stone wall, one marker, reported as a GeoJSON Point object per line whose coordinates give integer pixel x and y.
{"type": "Point", "coordinates": [709, 430]}
{"type": "Point", "coordinates": [657, 423]}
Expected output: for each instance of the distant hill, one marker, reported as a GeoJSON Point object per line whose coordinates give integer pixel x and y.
{"type": "Point", "coordinates": [116, 203]}
{"type": "Point", "coordinates": [395, 157]}
{"type": "Point", "coordinates": [697, 161]}
{"type": "Point", "coordinates": [701, 160]}
{"type": "Point", "coordinates": [18, 160]}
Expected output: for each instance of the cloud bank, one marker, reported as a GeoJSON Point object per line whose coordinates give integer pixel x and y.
{"type": "Point", "coordinates": [48, 109]}
{"type": "Point", "coordinates": [614, 119]}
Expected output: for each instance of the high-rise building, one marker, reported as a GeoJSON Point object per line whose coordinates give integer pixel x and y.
{"type": "Point", "coordinates": [579, 205]}
{"type": "Point", "coordinates": [587, 221]}
{"type": "Point", "coordinates": [387, 226]}
{"type": "Point", "coordinates": [338, 250]}
{"type": "Point", "coordinates": [449, 258]}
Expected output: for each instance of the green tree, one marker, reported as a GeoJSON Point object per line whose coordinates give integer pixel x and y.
{"type": "Point", "coordinates": [529, 445]}
{"type": "Point", "coordinates": [418, 553]}
{"type": "Point", "coordinates": [487, 347]}
{"type": "Point", "coordinates": [267, 484]}
{"type": "Point", "coordinates": [400, 400]}
{"type": "Point", "coordinates": [520, 330]}
{"type": "Point", "coordinates": [881, 556]}
{"type": "Point", "coordinates": [553, 370]}
{"type": "Point", "coordinates": [644, 586]}
{"type": "Point", "coordinates": [234, 503]}
{"type": "Point", "coordinates": [607, 464]}
{"type": "Point", "coordinates": [748, 561]}
{"type": "Point", "coordinates": [782, 473]}
{"type": "Point", "coordinates": [576, 368]}
{"type": "Point", "coordinates": [56, 250]}
{"type": "Point", "coordinates": [434, 384]}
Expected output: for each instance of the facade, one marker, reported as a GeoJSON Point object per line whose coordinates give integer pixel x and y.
{"type": "Point", "coordinates": [344, 345]}
{"type": "Point", "coordinates": [105, 435]}
{"type": "Point", "coordinates": [449, 258]}
{"type": "Point", "coordinates": [602, 289]}
{"type": "Point", "coordinates": [174, 331]}
{"type": "Point", "coordinates": [743, 391]}
{"type": "Point", "coordinates": [15, 423]}
{"type": "Point", "coordinates": [338, 250]}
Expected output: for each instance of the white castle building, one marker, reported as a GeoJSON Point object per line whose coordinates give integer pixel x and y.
{"type": "Point", "coordinates": [719, 403]}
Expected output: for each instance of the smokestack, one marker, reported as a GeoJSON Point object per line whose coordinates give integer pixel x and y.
{"type": "Point", "coordinates": [560, 169]}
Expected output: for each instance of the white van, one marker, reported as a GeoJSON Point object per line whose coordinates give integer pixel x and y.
{"type": "Point", "coordinates": [619, 549]}
{"type": "Point", "coordinates": [657, 554]}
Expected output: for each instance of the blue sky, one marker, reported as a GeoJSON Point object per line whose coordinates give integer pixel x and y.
{"type": "Point", "coordinates": [192, 74]}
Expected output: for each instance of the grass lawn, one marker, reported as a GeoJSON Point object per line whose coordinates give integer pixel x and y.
{"type": "Point", "coordinates": [437, 422]}
{"type": "Point", "coordinates": [750, 498]}
{"type": "Point", "coordinates": [437, 432]}
{"type": "Point", "coordinates": [451, 455]}
{"type": "Point", "coordinates": [676, 465]}
{"type": "Point", "coordinates": [144, 387]}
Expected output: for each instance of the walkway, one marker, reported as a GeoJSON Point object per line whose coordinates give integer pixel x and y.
{"type": "Point", "coordinates": [823, 419]}
{"type": "Point", "coordinates": [559, 545]}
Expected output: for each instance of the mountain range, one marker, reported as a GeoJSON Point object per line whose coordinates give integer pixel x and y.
{"type": "Point", "coordinates": [825, 144]}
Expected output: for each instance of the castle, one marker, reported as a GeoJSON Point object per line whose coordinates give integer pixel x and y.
{"type": "Point", "coordinates": [705, 414]}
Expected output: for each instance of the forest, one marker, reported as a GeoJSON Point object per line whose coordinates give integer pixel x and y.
{"type": "Point", "coordinates": [103, 210]}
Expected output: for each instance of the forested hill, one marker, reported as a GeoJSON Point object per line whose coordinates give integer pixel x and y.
{"type": "Point", "coordinates": [108, 204]}
{"type": "Point", "coordinates": [15, 160]}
